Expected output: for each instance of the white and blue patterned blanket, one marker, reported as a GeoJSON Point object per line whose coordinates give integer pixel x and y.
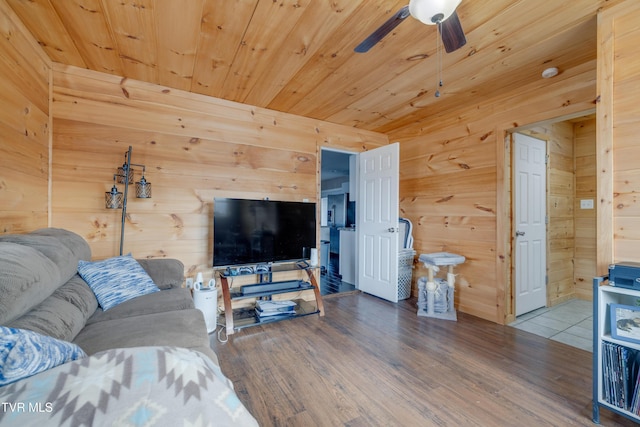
{"type": "Point", "coordinates": [144, 386]}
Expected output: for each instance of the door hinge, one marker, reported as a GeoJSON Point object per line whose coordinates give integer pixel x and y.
{"type": "Point", "coordinates": [546, 219]}
{"type": "Point", "coordinates": [546, 159]}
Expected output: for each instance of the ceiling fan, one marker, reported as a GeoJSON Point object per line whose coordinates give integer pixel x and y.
{"type": "Point", "coordinates": [431, 12]}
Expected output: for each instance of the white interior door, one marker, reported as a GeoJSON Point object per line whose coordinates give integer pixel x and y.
{"type": "Point", "coordinates": [377, 222]}
{"type": "Point", "coordinates": [530, 223]}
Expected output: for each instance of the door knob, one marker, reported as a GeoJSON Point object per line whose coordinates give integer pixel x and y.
{"type": "Point", "coordinates": [392, 230]}
{"type": "Point", "coordinates": [519, 233]}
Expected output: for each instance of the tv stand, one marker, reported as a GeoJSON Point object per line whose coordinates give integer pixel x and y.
{"type": "Point", "coordinates": [264, 289]}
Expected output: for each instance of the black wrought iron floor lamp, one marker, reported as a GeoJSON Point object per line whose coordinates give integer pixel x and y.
{"type": "Point", "coordinates": [114, 199]}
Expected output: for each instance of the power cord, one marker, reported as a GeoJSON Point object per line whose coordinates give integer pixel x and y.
{"type": "Point", "coordinates": [221, 332]}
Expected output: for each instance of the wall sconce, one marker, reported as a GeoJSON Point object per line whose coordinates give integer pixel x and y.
{"type": "Point", "coordinates": [114, 199]}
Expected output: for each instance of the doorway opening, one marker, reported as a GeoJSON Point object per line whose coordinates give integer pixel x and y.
{"type": "Point", "coordinates": [570, 216]}
{"type": "Point", "coordinates": [338, 178]}
{"type": "Point", "coordinates": [359, 231]}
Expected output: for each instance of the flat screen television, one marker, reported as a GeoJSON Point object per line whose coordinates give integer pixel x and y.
{"type": "Point", "coordinates": [262, 231]}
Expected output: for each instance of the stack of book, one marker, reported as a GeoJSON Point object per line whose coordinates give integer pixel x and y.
{"type": "Point", "coordinates": [267, 309]}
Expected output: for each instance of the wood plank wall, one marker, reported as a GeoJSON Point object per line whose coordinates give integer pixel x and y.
{"type": "Point", "coordinates": [194, 148]}
{"type": "Point", "coordinates": [455, 184]}
{"type": "Point", "coordinates": [25, 73]}
{"type": "Point", "coordinates": [560, 212]}
{"type": "Point", "coordinates": [585, 219]}
{"type": "Point", "coordinates": [618, 125]}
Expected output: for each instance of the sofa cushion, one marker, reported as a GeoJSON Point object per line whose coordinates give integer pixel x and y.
{"type": "Point", "coordinates": [63, 314]}
{"type": "Point", "coordinates": [166, 273]}
{"type": "Point", "coordinates": [76, 244]}
{"type": "Point", "coordinates": [157, 302]}
{"type": "Point", "coordinates": [183, 328]}
{"type": "Point", "coordinates": [25, 353]}
{"type": "Point", "coordinates": [54, 247]}
{"type": "Point", "coordinates": [28, 278]}
{"type": "Point", "coordinates": [116, 280]}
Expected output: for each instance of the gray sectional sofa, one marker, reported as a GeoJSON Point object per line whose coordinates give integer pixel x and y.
{"type": "Point", "coordinates": [158, 340]}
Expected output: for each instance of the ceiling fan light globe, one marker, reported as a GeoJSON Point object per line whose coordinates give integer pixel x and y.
{"type": "Point", "coordinates": [426, 10]}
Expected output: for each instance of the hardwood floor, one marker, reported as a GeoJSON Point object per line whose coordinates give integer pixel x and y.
{"type": "Point", "coordinates": [369, 362]}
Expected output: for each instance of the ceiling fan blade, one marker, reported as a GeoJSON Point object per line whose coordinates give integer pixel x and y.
{"type": "Point", "coordinates": [383, 30]}
{"type": "Point", "coordinates": [452, 34]}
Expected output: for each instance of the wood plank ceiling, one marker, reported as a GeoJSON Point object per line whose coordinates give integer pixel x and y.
{"type": "Point", "coordinates": [297, 55]}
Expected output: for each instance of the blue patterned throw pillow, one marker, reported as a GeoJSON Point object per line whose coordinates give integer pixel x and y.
{"type": "Point", "coordinates": [116, 280]}
{"type": "Point", "coordinates": [25, 353]}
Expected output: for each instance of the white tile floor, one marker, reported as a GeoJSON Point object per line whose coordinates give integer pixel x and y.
{"type": "Point", "coordinates": [570, 323]}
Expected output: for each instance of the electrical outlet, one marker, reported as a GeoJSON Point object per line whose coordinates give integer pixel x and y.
{"type": "Point", "coordinates": [586, 204]}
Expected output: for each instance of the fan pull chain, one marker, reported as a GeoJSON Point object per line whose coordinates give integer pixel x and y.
{"type": "Point", "coordinates": [439, 59]}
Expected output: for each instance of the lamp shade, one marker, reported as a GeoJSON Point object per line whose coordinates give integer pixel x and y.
{"type": "Point", "coordinates": [122, 174]}
{"type": "Point", "coordinates": [143, 189]}
{"type": "Point", "coordinates": [113, 199]}
{"type": "Point", "coordinates": [431, 12]}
